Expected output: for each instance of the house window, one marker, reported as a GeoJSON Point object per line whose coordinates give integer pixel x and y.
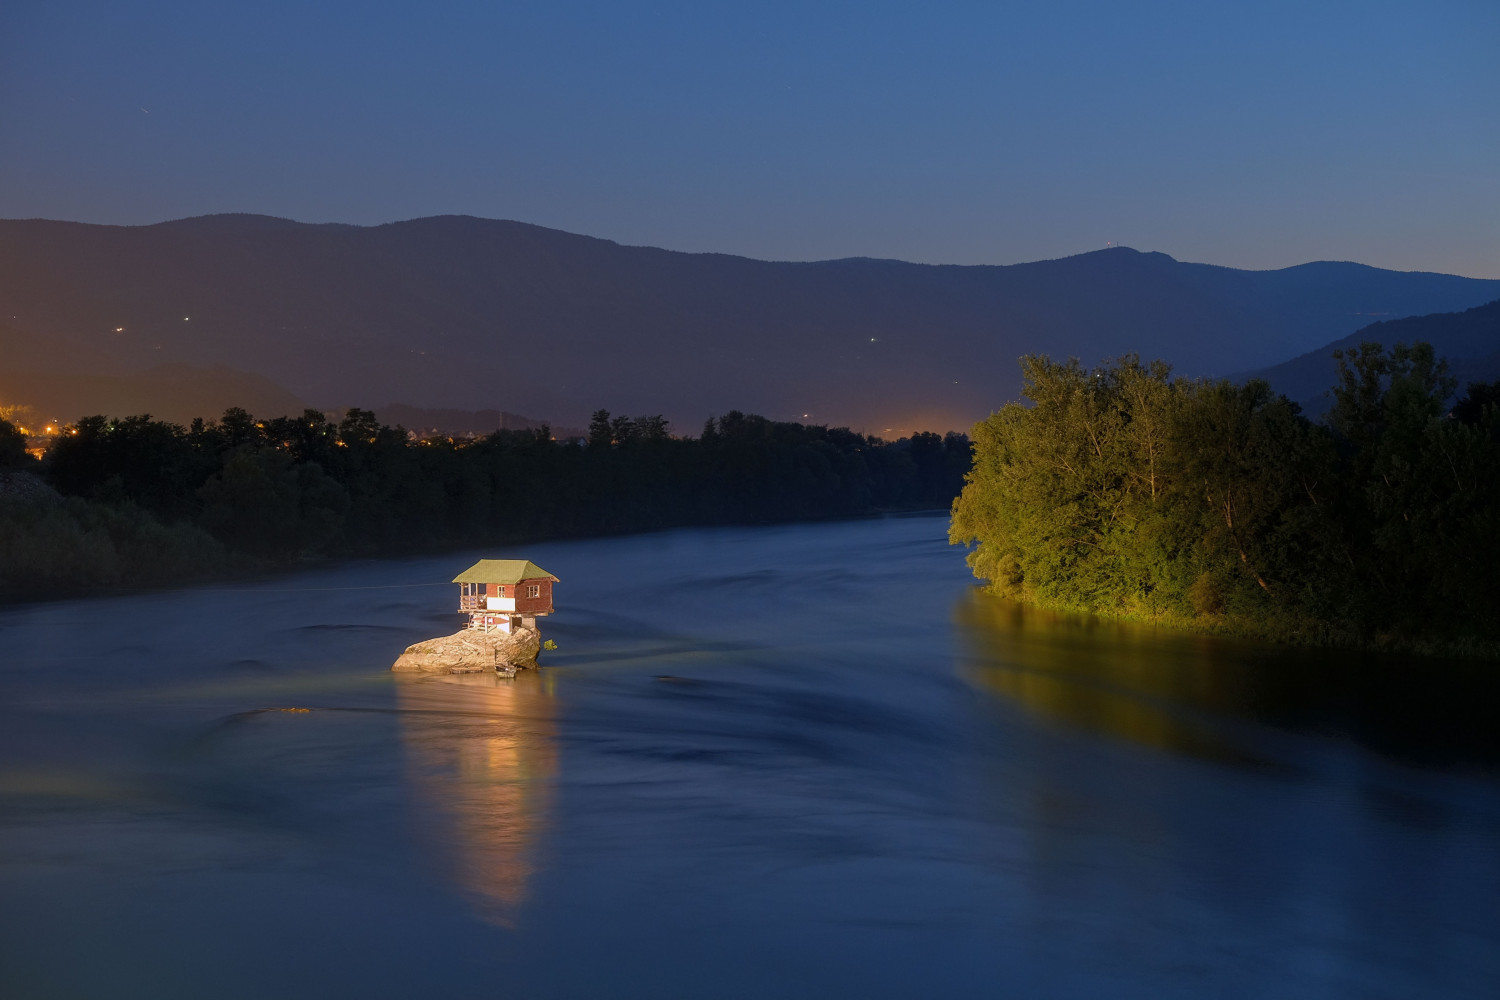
{"type": "Point", "coordinates": [534, 590]}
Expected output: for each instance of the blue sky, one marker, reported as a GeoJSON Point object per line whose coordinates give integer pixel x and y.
{"type": "Point", "coordinates": [1254, 135]}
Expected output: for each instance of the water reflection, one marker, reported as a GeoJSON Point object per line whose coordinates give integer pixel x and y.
{"type": "Point", "coordinates": [1200, 694]}
{"type": "Point", "coordinates": [811, 808]}
{"type": "Point", "coordinates": [482, 752]}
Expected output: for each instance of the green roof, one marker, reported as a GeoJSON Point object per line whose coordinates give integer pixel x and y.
{"type": "Point", "coordinates": [503, 571]}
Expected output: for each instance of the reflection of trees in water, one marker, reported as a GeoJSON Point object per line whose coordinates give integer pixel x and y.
{"type": "Point", "coordinates": [1108, 677]}
{"type": "Point", "coordinates": [483, 751]}
{"type": "Point", "coordinates": [1179, 691]}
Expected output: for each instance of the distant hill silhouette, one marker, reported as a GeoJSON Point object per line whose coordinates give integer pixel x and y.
{"type": "Point", "coordinates": [462, 313]}
{"type": "Point", "coordinates": [176, 392]}
{"type": "Point", "coordinates": [460, 423]}
{"type": "Point", "coordinates": [1470, 340]}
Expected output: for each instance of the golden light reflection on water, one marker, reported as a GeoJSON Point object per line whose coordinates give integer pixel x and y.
{"type": "Point", "coordinates": [483, 755]}
{"type": "Point", "coordinates": [1125, 681]}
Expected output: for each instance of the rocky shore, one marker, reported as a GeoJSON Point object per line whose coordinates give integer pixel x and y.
{"type": "Point", "coordinates": [471, 652]}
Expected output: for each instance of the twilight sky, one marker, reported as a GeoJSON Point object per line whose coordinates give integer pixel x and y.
{"type": "Point", "coordinates": [1250, 134]}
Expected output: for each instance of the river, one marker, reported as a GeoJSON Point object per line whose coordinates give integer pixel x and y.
{"type": "Point", "coordinates": [801, 761]}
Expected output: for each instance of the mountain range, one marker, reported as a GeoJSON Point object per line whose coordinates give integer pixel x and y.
{"type": "Point", "coordinates": [1469, 340]}
{"type": "Point", "coordinates": [460, 314]}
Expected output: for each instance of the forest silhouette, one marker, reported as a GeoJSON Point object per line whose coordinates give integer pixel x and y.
{"type": "Point", "coordinates": [145, 502]}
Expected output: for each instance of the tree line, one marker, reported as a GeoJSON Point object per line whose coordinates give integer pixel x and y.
{"type": "Point", "coordinates": [148, 502]}
{"type": "Point", "coordinates": [1124, 491]}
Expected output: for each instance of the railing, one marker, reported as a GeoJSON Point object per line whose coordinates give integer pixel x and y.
{"type": "Point", "coordinates": [470, 603]}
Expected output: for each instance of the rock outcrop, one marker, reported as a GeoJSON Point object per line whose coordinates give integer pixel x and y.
{"type": "Point", "coordinates": [472, 652]}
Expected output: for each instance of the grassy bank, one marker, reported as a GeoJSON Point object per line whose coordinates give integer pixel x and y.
{"type": "Point", "coordinates": [1282, 630]}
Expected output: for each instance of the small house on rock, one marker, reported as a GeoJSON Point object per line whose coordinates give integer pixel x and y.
{"type": "Point", "coordinates": [503, 594]}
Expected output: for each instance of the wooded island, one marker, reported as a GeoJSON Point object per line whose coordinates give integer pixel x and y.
{"type": "Point", "coordinates": [1211, 505]}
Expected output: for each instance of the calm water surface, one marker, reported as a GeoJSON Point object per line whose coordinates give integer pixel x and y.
{"type": "Point", "coordinates": [771, 762]}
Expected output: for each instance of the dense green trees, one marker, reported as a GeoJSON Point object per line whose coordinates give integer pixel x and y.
{"type": "Point", "coordinates": [75, 547]}
{"type": "Point", "coordinates": [1123, 491]}
{"type": "Point", "coordinates": [246, 492]}
{"type": "Point", "coordinates": [12, 447]}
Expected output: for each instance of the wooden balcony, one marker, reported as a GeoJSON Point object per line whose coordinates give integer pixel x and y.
{"type": "Point", "coordinates": [471, 603]}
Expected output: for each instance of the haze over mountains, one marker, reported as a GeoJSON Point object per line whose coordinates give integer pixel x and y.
{"type": "Point", "coordinates": [462, 313]}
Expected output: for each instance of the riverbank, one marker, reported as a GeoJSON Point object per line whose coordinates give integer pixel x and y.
{"type": "Point", "coordinates": [1283, 631]}
{"type": "Point", "coordinates": [55, 548]}
{"type": "Point", "coordinates": [122, 503]}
